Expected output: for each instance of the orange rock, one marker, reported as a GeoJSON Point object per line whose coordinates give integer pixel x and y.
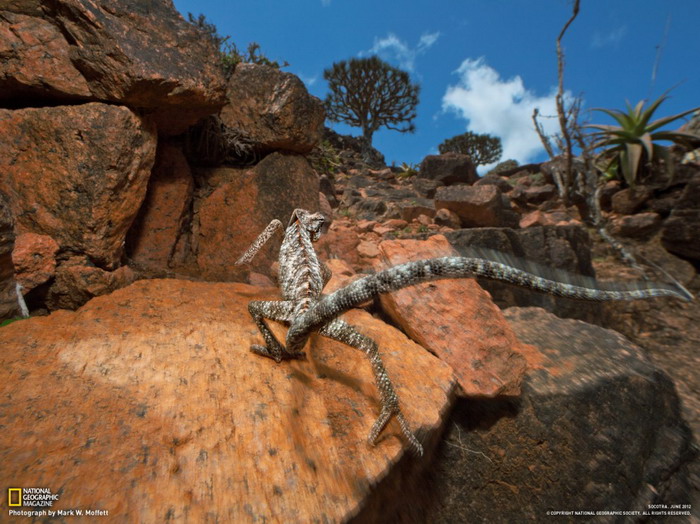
{"type": "Point", "coordinates": [363, 226]}
{"type": "Point", "coordinates": [477, 206]}
{"type": "Point", "coordinates": [260, 280]}
{"type": "Point", "coordinates": [274, 108]}
{"type": "Point", "coordinates": [34, 259]}
{"type": "Point", "coordinates": [242, 204]}
{"type": "Point", "coordinates": [342, 275]}
{"type": "Point", "coordinates": [77, 282]}
{"type": "Point", "coordinates": [147, 403]}
{"type": "Point", "coordinates": [167, 202]}
{"type": "Point", "coordinates": [456, 320]}
{"type": "Point", "coordinates": [382, 230]}
{"type": "Point", "coordinates": [341, 242]}
{"type": "Point", "coordinates": [143, 58]}
{"type": "Point", "coordinates": [77, 174]}
{"type": "Point", "coordinates": [536, 218]}
{"type": "Point", "coordinates": [37, 60]}
{"type": "Point", "coordinates": [395, 223]}
{"type": "Point", "coordinates": [368, 249]}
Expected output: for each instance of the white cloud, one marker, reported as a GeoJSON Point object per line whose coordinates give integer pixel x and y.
{"type": "Point", "coordinates": [325, 3]}
{"type": "Point", "coordinates": [392, 47]}
{"type": "Point", "coordinates": [502, 108]}
{"type": "Point", "coordinates": [613, 38]}
{"type": "Point", "coordinates": [427, 40]}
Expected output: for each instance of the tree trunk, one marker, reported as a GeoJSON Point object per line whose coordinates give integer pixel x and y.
{"type": "Point", "coordinates": [367, 133]}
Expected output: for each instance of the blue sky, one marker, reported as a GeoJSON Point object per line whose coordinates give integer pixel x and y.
{"type": "Point", "coordinates": [482, 64]}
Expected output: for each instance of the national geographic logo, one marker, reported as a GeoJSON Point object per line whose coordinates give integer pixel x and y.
{"type": "Point", "coordinates": [31, 497]}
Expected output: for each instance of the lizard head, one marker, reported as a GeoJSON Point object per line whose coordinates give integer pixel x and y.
{"type": "Point", "coordinates": [312, 223]}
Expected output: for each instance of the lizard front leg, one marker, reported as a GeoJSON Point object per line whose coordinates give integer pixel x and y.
{"type": "Point", "coordinates": [281, 311]}
{"type": "Point", "coordinates": [343, 332]}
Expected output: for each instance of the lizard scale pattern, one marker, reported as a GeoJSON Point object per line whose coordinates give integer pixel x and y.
{"type": "Point", "coordinates": [305, 310]}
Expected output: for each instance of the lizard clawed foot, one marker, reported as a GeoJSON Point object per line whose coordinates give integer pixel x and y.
{"type": "Point", "coordinates": [277, 356]}
{"type": "Point", "coordinates": [383, 420]}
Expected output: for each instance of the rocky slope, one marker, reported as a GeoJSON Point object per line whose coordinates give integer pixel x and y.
{"type": "Point", "coordinates": [133, 179]}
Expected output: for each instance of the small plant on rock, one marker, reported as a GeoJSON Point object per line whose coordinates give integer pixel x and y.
{"type": "Point", "coordinates": [407, 170]}
{"type": "Point", "coordinates": [8, 321]}
{"type": "Point", "coordinates": [325, 158]}
{"type": "Point", "coordinates": [630, 148]}
{"type": "Point", "coordinates": [229, 55]}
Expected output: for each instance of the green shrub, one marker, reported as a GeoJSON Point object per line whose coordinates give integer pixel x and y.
{"type": "Point", "coordinates": [229, 55]}
{"type": "Point", "coordinates": [483, 149]}
{"type": "Point", "coordinates": [407, 170]}
{"type": "Point", "coordinates": [325, 158]}
{"type": "Point", "coordinates": [629, 148]}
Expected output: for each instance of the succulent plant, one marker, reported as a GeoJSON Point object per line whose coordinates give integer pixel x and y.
{"type": "Point", "coordinates": [629, 147]}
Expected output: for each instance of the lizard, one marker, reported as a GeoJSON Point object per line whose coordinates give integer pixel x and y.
{"type": "Point", "coordinates": [302, 277]}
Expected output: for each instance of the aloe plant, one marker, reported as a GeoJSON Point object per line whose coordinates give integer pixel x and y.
{"type": "Point", "coordinates": [631, 145]}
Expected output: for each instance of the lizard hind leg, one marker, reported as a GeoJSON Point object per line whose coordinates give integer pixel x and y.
{"type": "Point", "coordinates": [345, 333]}
{"type": "Point", "coordinates": [280, 311]}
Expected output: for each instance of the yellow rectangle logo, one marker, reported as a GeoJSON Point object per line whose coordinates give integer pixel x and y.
{"type": "Point", "coordinates": [14, 496]}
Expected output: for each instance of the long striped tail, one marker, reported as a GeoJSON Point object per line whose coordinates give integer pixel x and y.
{"type": "Point", "coordinates": [412, 273]}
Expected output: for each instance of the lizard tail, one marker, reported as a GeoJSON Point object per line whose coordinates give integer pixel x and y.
{"type": "Point", "coordinates": [412, 273]}
{"type": "Point", "coordinates": [259, 242]}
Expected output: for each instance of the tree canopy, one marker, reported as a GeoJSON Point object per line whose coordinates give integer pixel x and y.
{"type": "Point", "coordinates": [369, 93]}
{"type": "Point", "coordinates": [483, 149]}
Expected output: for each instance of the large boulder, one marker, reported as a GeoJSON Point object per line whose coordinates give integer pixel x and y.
{"type": "Point", "coordinates": [639, 226]}
{"type": "Point", "coordinates": [36, 62]}
{"type": "Point", "coordinates": [77, 281]}
{"type": "Point", "coordinates": [597, 428]}
{"type": "Point", "coordinates": [473, 338]}
{"type": "Point", "coordinates": [148, 404]}
{"type": "Point", "coordinates": [154, 239]}
{"type": "Point", "coordinates": [273, 108]}
{"type": "Point", "coordinates": [450, 168]}
{"type": "Point", "coordinates": [77, 174]}
{"type": "Point", "coordinates": [681, 231]}
{"type": "Point", "coordinates": [34, 259]}
{"type": "Point", "coordinates": [134, 52]}
{"type": "Point", "coordinates": [630, 200]}
{"type": "Point", "coordinates": [477, 206]}
{"type": "Point", "coordinates": [234, 205]}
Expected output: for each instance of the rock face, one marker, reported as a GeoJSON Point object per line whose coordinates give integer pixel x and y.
{"type": "Point", "coordinates": [8, 296]}
{"type": "Point", "coordinates": [628, 201]}
{"type": "Point", "coordinates": [566, 248]}
{"type": "Point", "coordinates": [641, 225]}
{"type": "Point", "coordinates": [456, 320]}
{"type": "Point", "coordinates": [34, 259]}
{"type": "Point", "coordinates": [165, 212]}
{"type": "Point", "coordinates": [477, 206]}
{"type": "Point", "coordinates": [450, 168]}
{"type": "Point", "coordinates": [77, 174]}
{"type": "Point", "coordinates": [681, 231]}
{"type": "Point", "coordinates": [138, 53]}
{"type": "Point", "coordinates": [597, 427]}
{"type": "Point", "coordinates": [274, 108]}
{"type": "Point", "coordinates": [77, 281]}
{"type": "Point", "coordinates": [162, 411]}
{"type": "Point", "coordinates": [240, 203]}
{"type": "Point", "coordinates": [36, 61]}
